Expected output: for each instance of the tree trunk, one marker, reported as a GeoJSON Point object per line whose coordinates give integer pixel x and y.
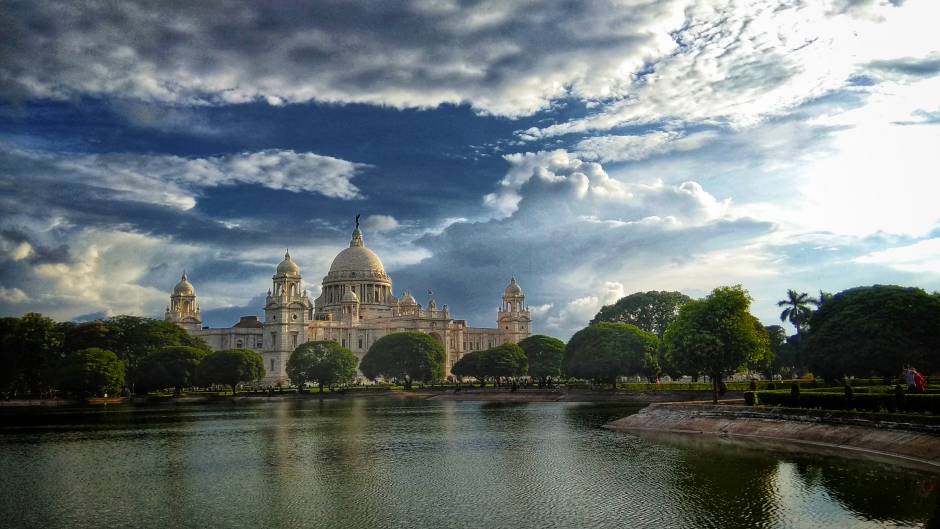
{"type": "Point", "coordinates": [321, 386]}
{"type": "Point", "coordinates": [408, 383]}
{"type": "Point", "coordinates": [235, 385]}
{"type": "Point", "coordinates": [714, 389]}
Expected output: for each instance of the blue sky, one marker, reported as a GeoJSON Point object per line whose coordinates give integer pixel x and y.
{"type": "Point", "coordinates": [593, 150]}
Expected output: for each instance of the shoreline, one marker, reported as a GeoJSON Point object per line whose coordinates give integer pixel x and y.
{"type": "Point", "coordinates": [907, 441]}
{"type": "Point", "coordinates": [489, 395]}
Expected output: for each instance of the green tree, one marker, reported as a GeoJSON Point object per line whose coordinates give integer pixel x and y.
{"type": "Point", "coordinates": [875, 330]}
{"type": "Point", "coordinates": [779, 358]}
{"type": "Point", "coordinates": [506, 361]}
{"type": "Point", "coordinates": [231, 367]}
{"type": "Point", "coordinates": [545, 355]}
{"type": "Point", "coordinates": [32, 352]}
{"type": "Point", "coordinates": [92, 371]}
{"type": "Point", "coordinates": [717, 335]}
{"type": "Point", "coordinates": [174, 367]}
{"type": "Point", "coordinates": [605, 351]}
{"type": "Point", "coordinates": [133, 338]}
{"type": "Point", "coordinates": [474, 365]}
{"type": "Point", "coordinates": [408, 356]}
{"type": "Point", "coordinates": [650, 311]}
{"type": "Point", "coordinates": [326, 363]}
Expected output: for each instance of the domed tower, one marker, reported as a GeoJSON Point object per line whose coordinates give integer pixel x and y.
{"type": "Point", "coordinates": [359, 270]}
{"type": "Point", "coordinates": [183, 309]}
{"type": "Point", "coordinates": [350, 306]}
{"type": "Point", "coordinates": [287, 312]}
{"type": "Point", "coordinates": [513, 319]}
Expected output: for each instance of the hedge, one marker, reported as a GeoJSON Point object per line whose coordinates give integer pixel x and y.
{"type": "Point", "coordinates": [914, 402]}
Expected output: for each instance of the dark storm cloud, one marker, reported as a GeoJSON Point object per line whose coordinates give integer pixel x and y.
{"type": "Point", "coordinates": [501, 57]}
{"type": "Point", "coordinates": [908, 66]}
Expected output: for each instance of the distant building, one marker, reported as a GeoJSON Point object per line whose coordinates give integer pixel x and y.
{"type": "Point", "coordinates": [356, 307]}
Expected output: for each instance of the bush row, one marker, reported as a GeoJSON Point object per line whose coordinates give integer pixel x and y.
{"type": "Point", "coordinates": [891, 402]}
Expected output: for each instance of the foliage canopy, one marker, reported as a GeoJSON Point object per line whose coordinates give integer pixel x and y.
{"type": "Point", "coordinates": [326, 363]}
{"type": "Point", "coordinates": [651, 311]}
{"type": "Point", "coordinates": [605, 351]}
{"type": "Point", "coordinates": [408, 356]}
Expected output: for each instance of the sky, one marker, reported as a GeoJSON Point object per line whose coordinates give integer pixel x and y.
{"type": "Point", "coordinates": [590, 149]}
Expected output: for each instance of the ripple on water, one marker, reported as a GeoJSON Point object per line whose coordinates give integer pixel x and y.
{"type": "Point", "coordinates": [404, 463]}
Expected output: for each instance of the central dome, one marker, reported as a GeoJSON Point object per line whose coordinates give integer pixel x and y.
{"type": "Point", "coordinates": [357, 258]}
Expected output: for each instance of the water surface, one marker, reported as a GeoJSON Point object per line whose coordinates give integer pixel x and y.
{"type": "Point", "coordinates": [421, 464]}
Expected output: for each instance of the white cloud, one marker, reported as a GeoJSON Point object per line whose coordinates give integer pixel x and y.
{"type": "Point", "coordinates": [738, 63]}
{"type": "Point", "coordinates": [920, 257]}
{"type": "Point", "coordinates": [637, 147]}
{"type": "Point", "coordinates": [22, 251]}
{"type": "Point", "coordinates": [174, 181]}
{"type": "Point", "coordinates": [380, 223]}
{"type": "Point", "coordinates": [578, 312]}
{"type": "Point", "coordinates": [12, 295]}
{"type": "Point", "coordinates": [571, 183]}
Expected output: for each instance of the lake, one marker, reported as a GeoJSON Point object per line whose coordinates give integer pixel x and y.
{"type": "Point", "coordinates": [412, 463]}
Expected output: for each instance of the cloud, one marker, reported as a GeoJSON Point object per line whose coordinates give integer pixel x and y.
{"type": "Point", "coordinates": [621, 148]}
{"type": "Point", "coordinates": [501, 58]}
{"type": "Point", "coordinates": [565, 179]}
{"type": "Point", "coordinates": [380, 223]}
{"type": "Point", "coordinates": [574, 237]}
{"type": "Point", "coordinates": [13, 296]}
{"type": "Point", "coordinates": [175, 181]}
{"type": "Point", "coordinates": [920, 257]}
{"type": "Point", "coordinates": [737, 64]}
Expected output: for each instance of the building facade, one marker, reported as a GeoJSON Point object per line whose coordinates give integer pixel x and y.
{"type": "Point", "coordinates": [356, 307]}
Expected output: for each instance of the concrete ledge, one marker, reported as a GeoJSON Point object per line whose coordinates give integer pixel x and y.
{"type": "Point", "coordinates": [913, 442]}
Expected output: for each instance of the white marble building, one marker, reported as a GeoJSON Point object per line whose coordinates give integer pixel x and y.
{"type": "Point", "coordinates": [356, 306]}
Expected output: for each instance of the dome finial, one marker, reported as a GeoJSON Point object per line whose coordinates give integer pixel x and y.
{"type": "Point", "coordinates": [356, 235]}
{"type": "Point", "coordinates": [287, 253]}
{"type": "Point", "coordinates": [183, 277]}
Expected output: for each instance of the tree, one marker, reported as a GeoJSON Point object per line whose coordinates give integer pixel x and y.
{"type": "Point", "coordinates": [231, 367]}
{"type": "Point", "coordinates": [779, 358]}
{"type": "Point", "coordinates": [174, 366]}
{"type": "Point", "coordinates": [545, 355]}
{"type": "Point", "coordinates": [798, 312]}
{"type": "Point", "coordinates": [472, 365]}
{"type": "Point", "coordinates": [650, 311]}
{"type": "Point", "coordinates": [796, 309]}
{"type": "Point", "coordinates": [133, 338]}
{"type": "Point", "coordinates": [408, 356]}
{"type": "Point", "coordinates": [92, 371]}
{"type": "Point", "coordinates": [605, 351]}
{"type": "Point", "coordinates": [716, 335]}
{"type": "Point", "coordinates": [877, 330]}
{"type": "Point", "coordinates": [32, 352]}
{"type": "Point", "coordinates": [507, 360]}
{"type": "Point", "coordinates": [326, 363]}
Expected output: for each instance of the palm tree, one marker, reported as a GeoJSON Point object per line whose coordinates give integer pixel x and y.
{"type": "Point", "coordinates": [797, 309]}
{"type": "Point", "coordinates": [824, 298]}
{"type": "Point", "coordinates": [797, 312]}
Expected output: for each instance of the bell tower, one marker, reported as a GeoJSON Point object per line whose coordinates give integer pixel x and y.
{"type": "Point", "coordinates": [287, 312]}
{"type": "Point", "coordinates": [513, 319]}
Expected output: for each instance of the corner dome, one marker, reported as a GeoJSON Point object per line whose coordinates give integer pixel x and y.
{"type": "Point", "coordinates": [184, 287]}
{"type": "Point", "coordinates": [407, 299]}
{"type": "Point", "coordinates": [288, 267]}
{"type": "Point", "coordinates": [513, 289]}
{"type": "Point", "coordinates": [350, 297]}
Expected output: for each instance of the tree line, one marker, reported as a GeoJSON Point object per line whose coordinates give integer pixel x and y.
{"type": "Point", "coordinates": [119, 355]}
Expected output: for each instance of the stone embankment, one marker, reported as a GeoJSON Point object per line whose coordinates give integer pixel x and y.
{"type": "Point", "coordinates": [915, 441]}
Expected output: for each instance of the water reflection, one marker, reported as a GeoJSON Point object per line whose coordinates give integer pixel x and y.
{"type": "Point", "coordinates": [415, 463]}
